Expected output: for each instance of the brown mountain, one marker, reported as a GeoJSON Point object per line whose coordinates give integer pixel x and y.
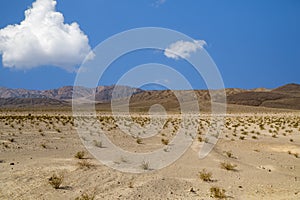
{"type": "Point", "coordinates": [286, 97]}
{"type": "Point", "coordinates": [32, 102]}
{"type": "Point", "coordinates": [293, 89]}
{"type": "Point", "coordinates": [102, 93]}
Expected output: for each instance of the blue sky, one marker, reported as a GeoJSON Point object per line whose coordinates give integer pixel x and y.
{"type": "Point", "coordinates": [254, 43]}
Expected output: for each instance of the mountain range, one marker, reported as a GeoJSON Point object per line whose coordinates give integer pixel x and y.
{"type": "Point", "coordinates": [285, 97]}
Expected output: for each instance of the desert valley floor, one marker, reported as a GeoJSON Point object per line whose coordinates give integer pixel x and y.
{"type": "Point", "coordinates": [256, 157]}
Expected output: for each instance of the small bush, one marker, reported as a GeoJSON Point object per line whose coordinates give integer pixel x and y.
{"type": "Point", "coordinates": [200, 139]}
{"type": "Point", "coordinates": [12, 140]}
{"type": "Point", "coordinates": [139, 141]}
{"type": "Point", "coordinates": [165, 141]}
{"type": "Point", "coordinates": [86, 196]}
{"type": "Point", "coordinates": [254, 137]}
{"type": "Point", "coordinates": [98, 144]}
{"type": "Point", "coordinates": [56, 180]}
{"type": "Point", "coordinates": [79, 154]}
{"type": "Point", "coordinates": [205, 176]}
{"type": "Point", "coordinates": [229, 154]}
{"type": "Point", "coordinates": [145, 165]}
{"type": "Point", "coordinates": [84, 164]}
{"type": "Point", "coordinates": [217, 192]}
{"type": "Point", "coordinates": [228, 166]}
{"type": "Point", "coordinates": [130, 184]}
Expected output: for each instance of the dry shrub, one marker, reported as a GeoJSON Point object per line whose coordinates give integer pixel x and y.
{"type": "Point", "coordinates": [56, 180]}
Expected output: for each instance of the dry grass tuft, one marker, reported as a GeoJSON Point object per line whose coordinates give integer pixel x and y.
{"type": "Point", "coordinates": [165, 141]}
{"type": "Point", "coordinates": [205, 176]}
{"type": "Point", "coordinates": [86, 196]}
{"type": "Point", "coordinates": [79, 154]}
{"type": "Point", "coordinates": [145, 165]}
{"type": "Point", "coordinates": [85, 164]}
{"type": "Point", "coordinates": [56, 180]}
{"type": "Point", "coordinates": [228, 166]}
{"type": "Point", "coordinates": [217, 192]}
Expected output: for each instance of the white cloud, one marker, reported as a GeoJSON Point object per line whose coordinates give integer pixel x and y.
{"type": "Point", "coordinates": [159, 2]}
{"type": "Point", "coordinates": [43, 38]}
{"type": "Point", "coordinates": [183, 49]}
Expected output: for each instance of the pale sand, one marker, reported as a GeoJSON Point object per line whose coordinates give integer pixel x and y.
{"type": "Point", "coordinates": [265, 169]}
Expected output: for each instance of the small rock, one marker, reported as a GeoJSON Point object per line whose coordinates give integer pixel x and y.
{"type": "Point", "coordinates": [12, 163]}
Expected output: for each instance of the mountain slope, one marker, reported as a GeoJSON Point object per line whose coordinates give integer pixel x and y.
{"type": "Point", "coordinates": [286, 97]}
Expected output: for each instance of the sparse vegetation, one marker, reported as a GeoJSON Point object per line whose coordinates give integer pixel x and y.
{"type": "Point", "coordinates": [205, 175]}
{"type": "Point", "coordinates": [294, 154]}
{"type": "Point", "coordinates": [56, 180]}
{"type": "Point", "coordinates": [145, 165]}
{"type": "Point", "coordinates": [254, 137]}
{"type": "Point", "coordinates": [229, 154]}
{"type": "Point", "coordinates": [218, 193]}
{"type": "Point", "coordinates": [80, 154]}
{"type": "Point", "coordinates": [86, 196]}
{"type": "Point", "coordinates": [139, 141]}
{"type": "Point", "coordinates": [165, 141]}
{"type": "Point", "coordinates": [98, 144]}
{"type": "Point", "coordinates": [228, 166]}
{"type": "Point", "coordinates": [13, 141]}
{"type": "Point", "coordinates": [130, 185]}
{"type": "Point", "coordinates": [85, 164]}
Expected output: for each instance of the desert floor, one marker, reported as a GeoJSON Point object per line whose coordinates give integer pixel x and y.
{"type": "Point", "coordinates": [261, 152]}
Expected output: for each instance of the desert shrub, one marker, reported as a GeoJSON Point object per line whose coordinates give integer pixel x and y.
{"type": "Point", "coordinates": [145, 165]}
{"type": "Point", "coordinates": [11, 140]}
{"type": "Point", "coordinates": [139, 141]}
{"type": "Point", "coordinates": [79, 154]}
{"type": "Point", "coordinates": [165, 141]}
{"type": "Point", "coordinates": [217, 192]}
{"type": "Point", "coordinates": [200, 139]}
{"type": "Point", "coordinates": [228, 166]}
{"type": "Point", "coordinates": [98, 144]}
{"type": "Point", "coordinates": [229, 154]}
{"type": "Point", "coordinates": [85, 164]}
{"type": "Point", "coordinates": [130, 184]}
{"type": "Point", "coordinates": [205, 176]}
{"type": "Point", "coordinates": [86, 196]}
{"type": "Point", "coordinates": [56, 180]}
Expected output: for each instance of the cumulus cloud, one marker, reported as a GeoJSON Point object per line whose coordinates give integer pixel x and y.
{"type": "Point", "coordinates": [43, 38]}
{"type": "Point", "coordinates": [183, 49]}
{"type": "Point", "coordinates": [159, 2]}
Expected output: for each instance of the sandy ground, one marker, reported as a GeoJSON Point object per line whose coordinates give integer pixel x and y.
{"type": "Point", "coordinates": [264, 147]}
